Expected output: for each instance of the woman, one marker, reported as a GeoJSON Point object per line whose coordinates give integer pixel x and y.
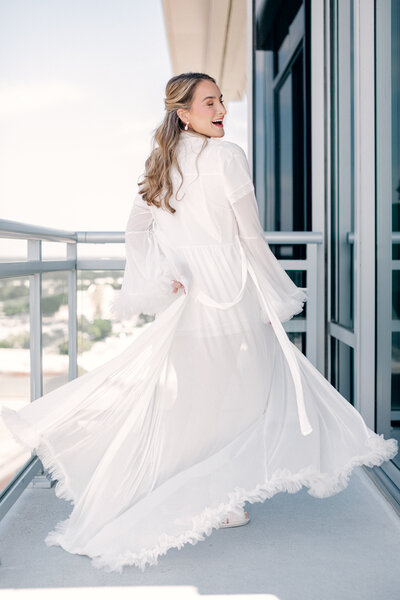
{"type": "Point", "coordinates": [211, 405]}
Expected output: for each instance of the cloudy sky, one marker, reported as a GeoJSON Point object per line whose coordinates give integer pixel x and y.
{"type": "Point", "coordinates": [82, 84]}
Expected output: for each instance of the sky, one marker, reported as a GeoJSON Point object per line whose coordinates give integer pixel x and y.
{"type": "Point", "coordinates": [82, 84]}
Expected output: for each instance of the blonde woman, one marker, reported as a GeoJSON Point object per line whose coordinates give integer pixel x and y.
{"type": "Point", "coordinates": [211, 406]}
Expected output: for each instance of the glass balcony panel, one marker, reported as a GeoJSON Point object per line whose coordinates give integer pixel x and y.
{"type": "Point", "coordinates": [54, 329]}
{"type": "Point", "coordinates": [100, 335]}
{"type": "Point", "coordinates": [54, 251]}
{"type": "Point", "coordinates": [102, 251]}
{"type": "Point", "coordinates": [13, 250]}
{"type": "Point", "coordinates": [300, 279]}
{"type": "Point", "coordinates": [298, 338]}
{"type": "Point", "coordinates": [14, 359]}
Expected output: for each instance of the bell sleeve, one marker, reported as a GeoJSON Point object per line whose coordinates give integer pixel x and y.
{"type": "Point", "coordinates": [286, 298]}
{"type": "Point", "coordinates": [147, 282]}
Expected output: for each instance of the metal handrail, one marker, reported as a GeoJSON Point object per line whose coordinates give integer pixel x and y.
{"type": "Point", "coordinates": [18, 230]}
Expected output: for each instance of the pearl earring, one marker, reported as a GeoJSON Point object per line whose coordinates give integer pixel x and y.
{"type": "Point", "coordinates": [186, 126]}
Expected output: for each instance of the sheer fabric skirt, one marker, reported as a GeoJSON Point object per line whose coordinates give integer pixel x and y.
{"type": "Point", "coordinates": [195, 418]}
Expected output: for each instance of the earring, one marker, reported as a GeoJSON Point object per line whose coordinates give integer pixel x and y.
{"type": "Point", "coordinates": [186, 126]}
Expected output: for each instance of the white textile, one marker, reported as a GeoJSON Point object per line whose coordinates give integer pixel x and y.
{"type": "Point", "coordinates": [211, 405]}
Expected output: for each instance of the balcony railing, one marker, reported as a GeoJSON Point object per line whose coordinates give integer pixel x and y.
{"type": "Point", "coordinates": [34, 266]}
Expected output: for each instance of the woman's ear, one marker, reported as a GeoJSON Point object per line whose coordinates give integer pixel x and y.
{"type": "Point", "coordinates": [181, 115]}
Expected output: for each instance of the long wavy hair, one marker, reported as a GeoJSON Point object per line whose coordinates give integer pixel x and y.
{"type": "Point", "coordinates": [156, 186]}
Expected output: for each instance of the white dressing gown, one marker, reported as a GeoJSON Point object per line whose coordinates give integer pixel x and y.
{"type": "Point", "coordinates": [211, 405]}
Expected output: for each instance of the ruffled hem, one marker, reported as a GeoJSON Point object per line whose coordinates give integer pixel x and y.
{"type": "Point", "coordinates": [321, 485]}
{"type": "Point", "coordinates": [27, 437]}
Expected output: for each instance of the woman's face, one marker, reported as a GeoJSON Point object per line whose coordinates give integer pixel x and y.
{"type": "Point", "coordinates": [207, 107]}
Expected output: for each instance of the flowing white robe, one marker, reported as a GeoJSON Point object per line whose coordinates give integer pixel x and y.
{"type": "Point", "coordinates": [211, 405]}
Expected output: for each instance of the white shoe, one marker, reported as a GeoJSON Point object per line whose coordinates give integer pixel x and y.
{"type": "Point", "coordinates": [232, 520]}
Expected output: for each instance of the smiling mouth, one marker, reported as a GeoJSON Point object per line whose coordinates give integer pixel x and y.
{"type": "Point", "coordinates": [218, 123]}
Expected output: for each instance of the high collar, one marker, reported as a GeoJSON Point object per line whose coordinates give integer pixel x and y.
{"type": "Point", "coordinates": [193, 137]}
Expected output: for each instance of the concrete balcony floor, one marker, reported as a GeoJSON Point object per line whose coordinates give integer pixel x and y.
{"type": "Point", "coordinates": [295, 547]}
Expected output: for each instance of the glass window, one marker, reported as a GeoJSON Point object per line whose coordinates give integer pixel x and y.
{"type": "Point", "coordinates": [387, 87]}
{"type": "Point", "coordinates": [342, 136]}
{"type": "Point", "coordinates": [395, 213]}
{"type": "Point", "coordinates": [284, 211]}
{"type": "Point", "coordinates": [282, 121]}
{"type": "Point", "coordinates": [342, 368]}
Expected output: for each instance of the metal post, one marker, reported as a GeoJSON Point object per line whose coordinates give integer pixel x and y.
{"type": "Point", "coordinates": [35, 341]}
{"type": "Point", "coordinates": [72, 314]}
{"type": "Point", "coordinates": [312, 305]}
{"type": "Point", "coordinates": [35, 318]}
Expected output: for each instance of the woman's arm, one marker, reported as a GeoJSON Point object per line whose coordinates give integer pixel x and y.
{"type": "Point", "coordinates": [285, 296]}
{"type": "Point", "coordinates": [148, 285]}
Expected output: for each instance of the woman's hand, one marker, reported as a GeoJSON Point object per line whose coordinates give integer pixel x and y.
{"type": "Point", "coordinates": [176, 285]}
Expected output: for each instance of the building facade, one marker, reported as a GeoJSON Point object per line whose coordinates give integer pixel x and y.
{"type": "Point", "coordinates": [325, 142]}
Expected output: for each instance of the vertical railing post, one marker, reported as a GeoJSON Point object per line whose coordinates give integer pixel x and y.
{"type": "Point", "coordinates": [72, 314]}
{"type": "Point", "coordinates": [35, 319]}
{"type": "Point", "coordinates": [35, 342]}
{"type": "Point", "coordinates": [312, 293]}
